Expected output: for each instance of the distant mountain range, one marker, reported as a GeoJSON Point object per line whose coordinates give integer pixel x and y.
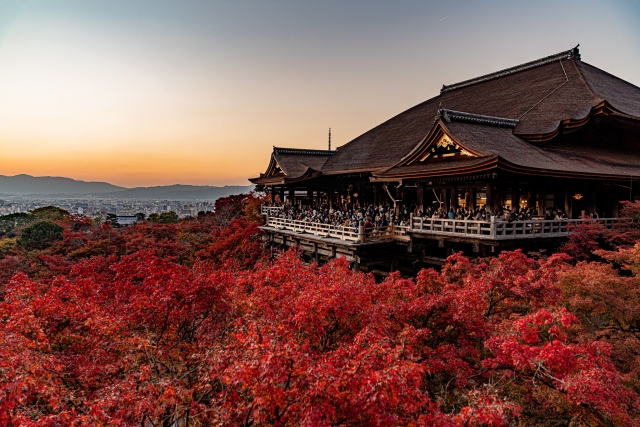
{"type": "Point", "coordinates": [49, 186]}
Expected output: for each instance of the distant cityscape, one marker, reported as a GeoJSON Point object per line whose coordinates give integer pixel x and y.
{"type": "Point", "coordinates": [102, 206]}
{"type": "Point", "coordinates": [24, 193]}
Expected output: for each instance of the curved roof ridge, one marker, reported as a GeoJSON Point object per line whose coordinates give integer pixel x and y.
{"type": "Point", "coordinates": [308, 152]}
{"type": "Point", "coordinates": [461, 116]}
{"type": "Point", "coordinates": [567, 54]}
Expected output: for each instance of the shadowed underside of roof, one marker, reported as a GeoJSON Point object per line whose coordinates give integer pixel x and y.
{"type": "Point", "coordinates": [499, 148]}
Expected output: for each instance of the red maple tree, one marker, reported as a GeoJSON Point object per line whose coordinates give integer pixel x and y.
{"type": "Point", "coordinates": [189, 324]}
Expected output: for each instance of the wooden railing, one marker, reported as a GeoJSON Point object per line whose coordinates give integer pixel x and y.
{"type": "Point", "coordinates": [501, 230]}
{"type": "Point", "coordinates": [354, 234]}
{"type": "Point", "coordinates": [485, 230]}
{"type": "Point", "coordinates": [271, 210]}
{"type": "Point", "coordinates": [533, 229]}
{"type": "Point", "coordinates": [317, 229]}
{"type": "Point", "coordinates": [452, 227]}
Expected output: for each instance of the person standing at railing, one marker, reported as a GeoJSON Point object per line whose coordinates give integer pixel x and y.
{"type": "Point", "coordinates": [548, 214]}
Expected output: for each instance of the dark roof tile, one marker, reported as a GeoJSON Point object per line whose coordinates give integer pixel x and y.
{"type": "Point", "coordinates": [540, 95]}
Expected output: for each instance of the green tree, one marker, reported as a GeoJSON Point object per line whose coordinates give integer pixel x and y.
{"type": "Point", "coordinates": [9, 222]}
{"type": "Point", "coordinates": [113, 219]}
{"type": "Point", "coordinates": [40, 235]}
{"type": "Point", "coordinates": [6, 246]}
{"type": "Point", "coordinates": [164, 217]}
{"type": "Point", "coordinates": [49, 213]}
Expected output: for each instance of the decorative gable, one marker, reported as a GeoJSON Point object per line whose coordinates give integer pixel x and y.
{"type": "Point", "coordinates": [438, 144]}
{"type": "Point", "coordinates": [274, 168]}
{"type": "Point", "coordinates": [444, 147]}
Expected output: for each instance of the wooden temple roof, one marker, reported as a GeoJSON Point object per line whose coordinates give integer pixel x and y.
{"type": "Point", "coordinates": [509, 116]}
{"type": "Point", "coordinates": [292, 164]}
{"type": "Point", "coordinates": [485, 146]}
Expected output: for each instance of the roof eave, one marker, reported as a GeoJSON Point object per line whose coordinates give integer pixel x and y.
{"type": "Point", "coordinates": [490, 163]}
{"type": "Point", "coordinates": [571, 125]}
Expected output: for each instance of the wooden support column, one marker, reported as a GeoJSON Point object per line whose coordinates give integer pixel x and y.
{"type": "Point", "coordinates": [567, 202]}
{"type": "Point", "coordinates": [269, 193]}
{"type": "Point", "coordinates": [443, 199]}
{"type": "Point", "coordinates": [497, 199]}
{"type": "Point", "coordinates": [292, 196]}
{"type": "Point", "coordinates": [420, 201]}
{"type": "Point", "coordinates": [614, 204]}
{"type": "Point", "coordinates": [473, 198]}
{"type": "Point", "coordinates": [591, 202]}
{"type": "Point", "coordinates": [355, 266]}
{"type": "Point", "coordinates": [531, 199]}
{"type": "Point", "coordinates": [542, 200]}
{"type": "Point", "coordinates": [281, 194]}
{"type": "Point", "coordinates": [515, 197]}
{"type": "Point", "coordinates": [454, 197]}
{"type": "Point", "coordinates": [490, 196]}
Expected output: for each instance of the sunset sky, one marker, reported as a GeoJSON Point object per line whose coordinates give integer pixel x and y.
{"type": "Point", "coordinates": [141, 93]}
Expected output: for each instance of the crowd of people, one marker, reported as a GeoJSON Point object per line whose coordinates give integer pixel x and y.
{"type": "Point", "coordinates": [350, 215]}
{"type": "Point", "coordinates": [371, 216]}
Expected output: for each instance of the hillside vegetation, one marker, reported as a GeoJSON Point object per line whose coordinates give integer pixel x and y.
{"type": "Point", "coordinates": [192, 324]}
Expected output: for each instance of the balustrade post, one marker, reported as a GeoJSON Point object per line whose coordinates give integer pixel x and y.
{"type": "Point", "coordinates": [493, 226]}
{"type": "Point", "coordinates": [361, 235]}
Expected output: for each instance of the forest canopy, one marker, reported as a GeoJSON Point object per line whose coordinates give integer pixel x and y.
{"type": "Point", "coordinates": [192, 323]}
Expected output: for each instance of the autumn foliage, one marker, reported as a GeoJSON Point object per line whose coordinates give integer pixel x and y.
{"type": "Point", "coordinates": [190, 324]}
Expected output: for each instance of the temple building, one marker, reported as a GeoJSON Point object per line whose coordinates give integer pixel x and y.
{"type": "Point", "coordinates": [554, 133]}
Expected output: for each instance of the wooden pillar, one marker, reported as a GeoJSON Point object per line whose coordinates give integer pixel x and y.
{"type": "Point", "coordinates": [531, 198]}
{"type": "Point", "coordinates": [281, 194]}
{"type": "Point", "coordinates": [541, 202]}
{"type": "Point", "coordinates": [515, 197]}
{"type": "Point", "coordinates": [567, 202]}
{"type": "Point", "coordinates": [443, 199]}
{"type": "Point", "coordinates": [490, 196]}
{"type": "Point", "coordinates": [497, 199]}
{"type": "Point", "coordinates": [473, 198]}
{"type": "Point", "coordinates": [420, 201]}
{"type": "Point", "coordinates": [614, 204]}
{"type": "Point", "coordinates": [292, 196]}
{"type": "Point", "coordinates": [454, 197]}
{"type": "Point", "coordinates": [592, 200]}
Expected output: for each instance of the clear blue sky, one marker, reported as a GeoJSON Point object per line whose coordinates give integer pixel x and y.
{"type": "Point", "coordinates": [158, 92]}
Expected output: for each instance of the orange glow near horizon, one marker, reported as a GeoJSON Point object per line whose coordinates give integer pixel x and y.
{"type": "Point", "coordinates": [157, 93]}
